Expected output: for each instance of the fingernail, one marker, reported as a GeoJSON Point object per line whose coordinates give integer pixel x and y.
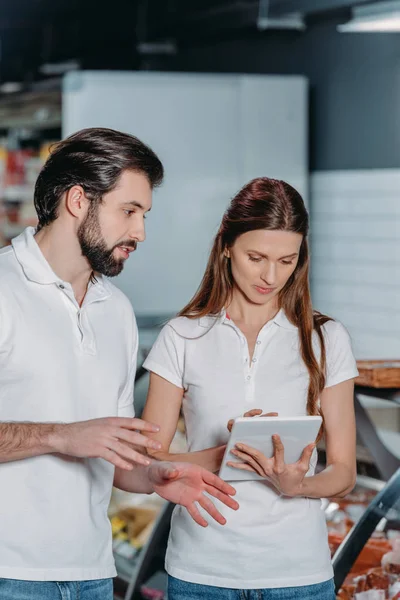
{"type": "Point", "coordinates": [240, 446]}
{"type": "Point", "coordinates": [156, 445]}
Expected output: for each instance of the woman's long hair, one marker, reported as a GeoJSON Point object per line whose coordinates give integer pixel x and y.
{"type": "Point", "coordinates": [274, 205]}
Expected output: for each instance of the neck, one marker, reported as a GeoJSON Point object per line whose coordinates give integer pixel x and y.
{"type": "Point", "coordinates": [242, 311]}
{"type": "Point", "coordinates": [60, 247]}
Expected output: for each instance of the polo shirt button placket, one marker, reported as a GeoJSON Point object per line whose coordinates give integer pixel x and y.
{"type": "Point", "coordinates": [78, 314]}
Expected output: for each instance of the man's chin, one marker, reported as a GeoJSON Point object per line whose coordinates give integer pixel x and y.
{"type": "Point", "coordinates": [110, 271]}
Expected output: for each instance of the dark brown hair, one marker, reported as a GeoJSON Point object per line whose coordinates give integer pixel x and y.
{"type": "Point", "coordinates": [94, 158]}
{"type": "Point", "coordinates": [275, 205]}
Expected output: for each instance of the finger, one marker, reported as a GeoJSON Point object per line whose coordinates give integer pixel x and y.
{"type": "Point", "coordinates": [306, 456]}
{"type": "Point", "coordinates": [137, 439]}
{"type": "Point", "coordinates": [259, 456]}
{"type": "Point", "coordinates": [196, 516]}
{"type": "Point", "coordinates": [260, 469]}
{"type": "Point", "coordinates": [211, 479]}
{"type": "Point", "coordinates": [279, 452]}
{"type": "Point", "coordinates": [253, 412]}
{"type": "Point", "coordinates": [128, 453]}
{"type": "Point", "coordinates": [211, 509]}
{"type": "Point", "coordinates": [116, 460]}
{"type": "Point", "coordinates": [230, 502]}
{"type": "Point", "coordinates": [138, 424]}
{"type": "Point", "coordinates": [230, 424]}
{"type": "Point", "coordinates": [241, 467]}
{"type": "Point", "coordinates": [271, 414]}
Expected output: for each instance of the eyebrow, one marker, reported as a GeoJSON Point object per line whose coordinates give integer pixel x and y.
{"type": "Point", "coordinates": [137, 205]}
{"type": "Point", "coordinates": [281, 258]}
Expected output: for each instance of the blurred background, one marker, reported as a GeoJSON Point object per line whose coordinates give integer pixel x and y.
{"type": "Point", "coordinates": [224, 91]}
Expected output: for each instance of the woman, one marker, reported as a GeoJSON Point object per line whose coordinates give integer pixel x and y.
{"type": "Point", "coordinates": [250, 342]}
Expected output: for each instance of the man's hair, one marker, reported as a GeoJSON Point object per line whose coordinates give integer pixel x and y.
{"type": "Point", "coordinates": [95, 159]}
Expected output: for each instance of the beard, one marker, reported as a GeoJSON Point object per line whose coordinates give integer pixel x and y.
{"type": "Point", "coordinates": [94, 247]}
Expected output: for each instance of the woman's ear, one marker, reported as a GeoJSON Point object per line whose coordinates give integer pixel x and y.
{"type": "Point", "coordinates": [227, 253]}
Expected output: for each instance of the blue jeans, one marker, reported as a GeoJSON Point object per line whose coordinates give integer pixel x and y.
{"type": "Point", "coordinates": [182, 590]}
{"type": "Point", "coordinates": [16, 589]}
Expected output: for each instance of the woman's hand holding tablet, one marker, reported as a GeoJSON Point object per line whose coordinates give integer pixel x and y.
{"type": "Point", "coordinates": [274, 448]}
{"type": "Point", "coordinates": [287, 478]}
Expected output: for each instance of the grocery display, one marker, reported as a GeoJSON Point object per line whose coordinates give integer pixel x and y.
{"type": "Point", "coordinates": [20, 164]}
{"type": "Point", "coordinates": [364, 537]}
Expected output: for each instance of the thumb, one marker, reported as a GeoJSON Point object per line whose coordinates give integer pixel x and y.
{"type": "Point", "coordinates": [306, 455]}
{"type": "Point", "coordinates": [168, 472]}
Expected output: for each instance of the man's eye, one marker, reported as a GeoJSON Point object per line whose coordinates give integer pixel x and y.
{"type": "Point", "coordinates": [128, 212]}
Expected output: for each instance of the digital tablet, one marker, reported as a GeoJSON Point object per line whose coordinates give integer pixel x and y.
{"type": "Point", "coordinates": [295, 432]}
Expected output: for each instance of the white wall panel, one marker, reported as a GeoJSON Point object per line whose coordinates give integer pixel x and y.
{"type": "Point", "coordinates": [356, 255]}
{"type": "Point", "coordinates": [213, 133]}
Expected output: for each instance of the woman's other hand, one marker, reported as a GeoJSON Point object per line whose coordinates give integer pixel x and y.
{"type": "Point", "coordinates": [255, 412]}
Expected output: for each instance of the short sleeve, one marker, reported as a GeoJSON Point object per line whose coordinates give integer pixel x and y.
{"type": "Point", "coordinates": [125, 401]}
{"type": "Point", "coordinates": [340, 362]}
{"type": "Point", "coordinates": [166, 358]}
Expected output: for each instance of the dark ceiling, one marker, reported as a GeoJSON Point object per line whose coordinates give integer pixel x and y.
{"type": "Point", "coordinates": [110, 35]}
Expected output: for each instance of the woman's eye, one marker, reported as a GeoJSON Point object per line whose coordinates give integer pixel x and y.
{"type": "Point", "coordinates": [287, 262]}
{"type": "Point", "coordinates": [254, 259]}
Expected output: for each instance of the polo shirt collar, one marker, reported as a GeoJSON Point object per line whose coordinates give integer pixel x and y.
{"type": "Point", "coordinates": [210, 320]}
{"type": "Point", "coordinates": [37, 269]}
{"type": "Point", "coordinates": [280, 319]}
{"type": "Point", "coordinates": [31, 259]}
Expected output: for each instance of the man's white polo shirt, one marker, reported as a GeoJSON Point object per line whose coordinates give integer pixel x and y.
{"type": "Point", "coordinates": [59, 363]}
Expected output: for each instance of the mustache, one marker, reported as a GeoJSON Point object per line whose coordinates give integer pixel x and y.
{"type": "Point", "coordinates": [131, 244]}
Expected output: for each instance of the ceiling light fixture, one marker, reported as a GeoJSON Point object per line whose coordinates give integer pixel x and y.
{"type": "Point", "coordinates": [10, 87]}
{"type": "Point", "coordinates": [378, 17]}
{"type": "Point", "coordinates": [289, 21]}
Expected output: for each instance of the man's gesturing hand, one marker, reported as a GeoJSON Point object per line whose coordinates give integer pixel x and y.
{"type": "Point", "coordinates": [110, 438]}
{"type": "Point", "coordinates": [185, 484]}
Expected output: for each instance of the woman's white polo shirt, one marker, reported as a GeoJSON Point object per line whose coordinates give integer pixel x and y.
{"type": "Point", "coordinates": [271, 541]}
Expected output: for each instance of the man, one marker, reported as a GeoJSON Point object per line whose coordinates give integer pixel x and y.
{"type": "Point", "coordinates": [68, 347]}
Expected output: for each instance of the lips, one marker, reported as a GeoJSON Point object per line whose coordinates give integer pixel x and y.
{"type": "Point", "coordinates": [126, 250]}
{"type": "Point", "coordinates": [263, 290]}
